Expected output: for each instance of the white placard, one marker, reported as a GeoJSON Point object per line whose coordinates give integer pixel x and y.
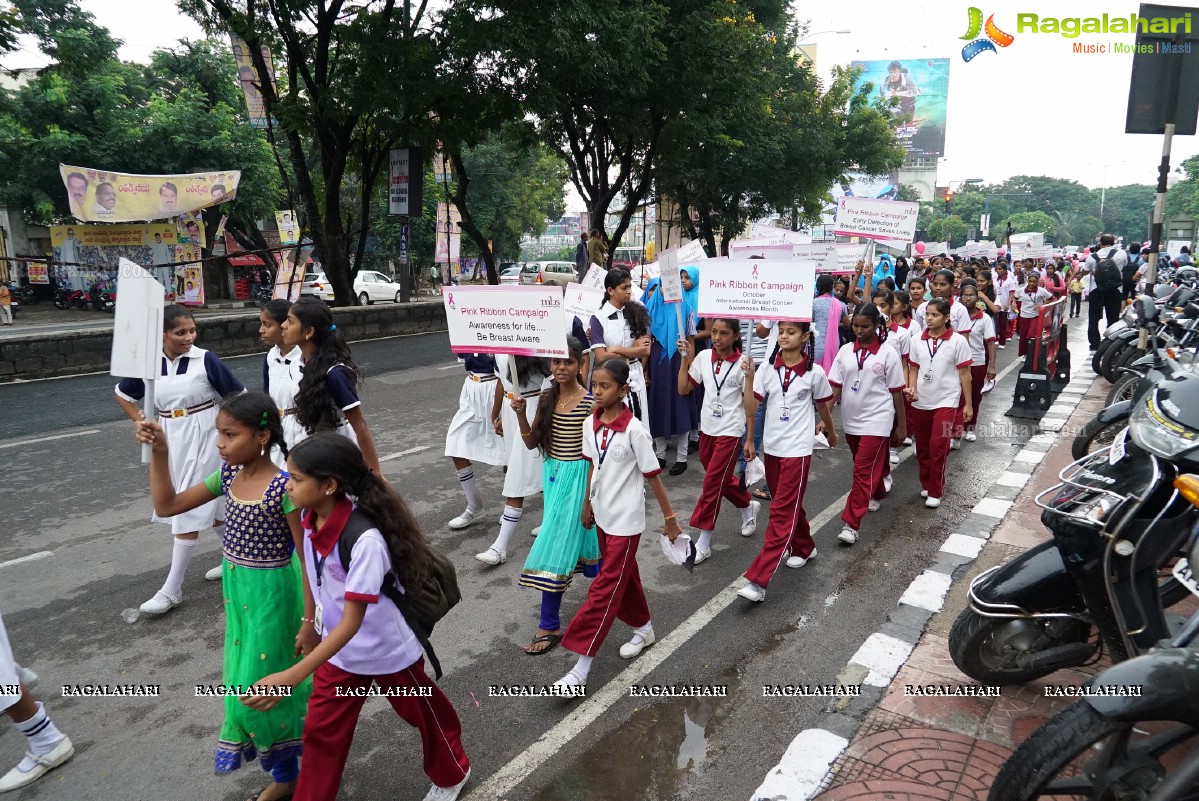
{"type": "Point", "coordinates": [582, 301]}
{"type": "Point", "coordinates": [595, 277]}
{"type": "Point", "coordinates": [758, 290]}
{"type": "Point", "coordinates": [823, 253]}
{"type": "Point", "coordinates": [877, 219]}
{"type": "Point", "coordinates": [137, 324]}
{"type": "Point", "coordinates": [672, 281]}
{"type": "Point", "coordinates": [748, 250]}
{"type": "Point", "coordinates": [516, 320]}
{"type": "Point", "coordinates": [848, 256]}
{"type": "Point", "coordinates": [692, 251]}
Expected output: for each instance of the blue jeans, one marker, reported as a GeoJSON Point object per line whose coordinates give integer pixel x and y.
{"type": "Point", "coordinates": [759, 421]}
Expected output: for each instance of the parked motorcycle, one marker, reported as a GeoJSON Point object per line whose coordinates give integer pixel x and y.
{"type": "Point", "coordinates": [262, 295]}
{"type": "Point", "coordinates": [23, 294]}
{"type": "Point", "coordinates": [1104, 579]}
{"type": "Point", "coordinates": [101, 298]}
{"type": "Point", "coordinates": [1132, 739]}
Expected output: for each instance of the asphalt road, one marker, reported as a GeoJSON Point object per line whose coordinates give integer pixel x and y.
{"type": "Point", "coordinates": [75, 492]}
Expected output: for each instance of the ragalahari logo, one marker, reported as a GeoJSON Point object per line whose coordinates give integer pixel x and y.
{"type": "Point", "coordinates": [994, 35]}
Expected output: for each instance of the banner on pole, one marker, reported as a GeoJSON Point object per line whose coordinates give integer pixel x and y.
{"type": "Point", "coordinates": [758, 289]}
{"type": "Point", "coordinates": [100, 196]}
{"type": "Point", "coordinates": [876, 219]}
{"type": "Point", "coordinates": [247, 76]}
{"type": "Point", "coordinates": [672, 280]}
{"type": "Point", "coordinates": [137, 324]}
{"type": "Point", "coordinates": [405, 182]}
{"type": "Point", "coordinates": [582, 301]}
{"type": "Point", "coordinates": [519, 321]}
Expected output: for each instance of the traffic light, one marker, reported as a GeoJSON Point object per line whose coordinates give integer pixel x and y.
{"type": "Point", "coordinates": [948, 201]}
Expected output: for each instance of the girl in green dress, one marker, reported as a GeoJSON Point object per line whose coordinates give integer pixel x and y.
{"type": "Point", "coordinates": [264, 603]}
{"type": "Point", "coordinates": [563, 547]}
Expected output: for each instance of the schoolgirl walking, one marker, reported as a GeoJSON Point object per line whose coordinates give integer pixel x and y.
{"type": "Point", "coordinates": [191, 384]}
{"type": "Point", "coordinates": [981, 337]}
{"type": "Point", "coordinates": [280, 371]}
{"type": "Point", "coordinates": [471, 436]}
{"type": "Point", "coordinates": [621, 328]}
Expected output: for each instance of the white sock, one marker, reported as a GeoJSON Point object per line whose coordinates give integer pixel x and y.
{"type": "Point", "coordinates": [645, 631]}
{"type": "Point", "coordinates": [680, 450]}
{"type": "Point", "coordinates": [509, 520]}
{"type": "Point", "coordinates": [42, 735]}
{"type": "Point", "coordinates": [181, 556]}
{"type": "Point", "coordinates": [705, 540]}
{"type": "Point", "coordinates": [583, 666]}
{"type": "Point", "coordinates": [660, 444]}
{"type": "Point", "coordinates": [466, 479]}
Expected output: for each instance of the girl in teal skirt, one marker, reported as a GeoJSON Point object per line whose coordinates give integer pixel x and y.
{"type": "Point", "coordinates": [563, 547]}
{"type": "Point", "coordinates": [264, 602]}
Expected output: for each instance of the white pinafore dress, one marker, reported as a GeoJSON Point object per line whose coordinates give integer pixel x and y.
{"type": "Point", "coordinates": [190, 435]}
{"type": "Point", "coordinates": [616, 332]}
{"type": "Point", "coordinates": [281, 386]}
{"type": "Point", "coordinates": [471, 434]}
{"type": "Point", "coordinates": [345, 397]}
{"type": "Point", "coordinates": [524, 465]}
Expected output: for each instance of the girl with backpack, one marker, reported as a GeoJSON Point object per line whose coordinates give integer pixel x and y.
{"type": "Point", "coordinates": [352, 632]}
{"type": "Point", "coordinates": [264, 600]}
{"type": "Point", "coordinates": [186, 394]}
{"type": "Point", "coordinates": [564, 546]}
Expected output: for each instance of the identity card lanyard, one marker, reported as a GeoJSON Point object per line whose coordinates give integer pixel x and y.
{"type": "Point", "coordinates": [601, 450]}
{"type": "Point", "coordinates": [785, 378]}
{"type": "Point", "coordinates": [932, 355]}
{"type": "Point", "coordinates": [717, 406]}
{"type": "Point", "coordinates": [863, 354]}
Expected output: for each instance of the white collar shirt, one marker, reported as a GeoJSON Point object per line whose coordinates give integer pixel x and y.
{"type": "Point", "coordinates": [867, 377]}
{"type": "Point", "coordinates": [622, 457]}
{"type": "Point", "coordinates": [938, 385]}
{"type": "Point", "coordinates": [723, 411]}
{"type": "Point", "coordinates": [790, 424]}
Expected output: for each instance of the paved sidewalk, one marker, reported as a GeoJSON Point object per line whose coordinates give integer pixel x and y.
{"type": "Point", "coordinates": [888, 743]}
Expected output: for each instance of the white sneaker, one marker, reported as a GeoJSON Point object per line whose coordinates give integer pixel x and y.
{"type": "Point", "coordinates": [467, 518]}
{"type": "Point", "coordinates": [932, 503]}
{"type": "Point", "coordinates": [908, 440]}
{"type": "Point", "coordinates": [536, 531]}
{"type": "Point", "coordinates": [971, 436]}
{"type": "Point", "coordinates": [571, 679]}
{"type": "Point", "coordinates": [874, 505]}
{"type": "Point", "coordinates": [923, 493]}
{"type": "Point", "coordinates": [492, 557]}
{"type": "Point", "coordinates": [955, 444]}
{"type": "Point", "coordinates": [447, 793]}
{"type": "Point", "coordinates": [752, 592]}
{"type": "Point", "coordinates": [16, 779]}
{"type": "Point", "coordinates": [750, 526]}
{"type": "Point", "coordinates": [894, 456]}
{"type": "Point", "coordinates": [888, 482]}
{"type": "Point", "coordinates": [1001, 347]}
{"type": "Point", "coordinates": [214, 574]}
{"type": "Point", "coordinates": [702, 555]}
{"type": "Point", "coordinates": [161, 603]}
{"type": "Point", "coordinates": [27, 677]}
{"type": "Point", "coordinates": [799, 561]}
{"type": "Point", "coordinates": [638, 644]}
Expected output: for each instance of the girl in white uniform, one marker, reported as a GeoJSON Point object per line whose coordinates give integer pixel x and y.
{"type": "Point", "coordinates": [524, 466]}
{"type": "Point", "coordinates": [621, 329]}
{"type": "Point", "coordinates": [327, 381]}
{"type": "Point", "coordinates": [471, 436]}
{"type": "Point", "coordinates": [278, 374]}
{"type": "Point", "coordinates": [186, 394]}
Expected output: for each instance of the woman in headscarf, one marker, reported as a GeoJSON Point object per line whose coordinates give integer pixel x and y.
{"type": "Point", "coordinates": [671, 414]}
{"type": "Point", "coordinates": [828, 314]}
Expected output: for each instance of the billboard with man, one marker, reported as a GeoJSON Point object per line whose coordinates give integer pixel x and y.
{"type": "Point", "coordinates": [916, 91]}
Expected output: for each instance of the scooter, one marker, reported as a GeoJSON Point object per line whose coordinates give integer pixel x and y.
{"type": "Point", "coordinates": [101, 298]}
{"type": "Point", "coordinates": [1132, 737]}
{"type": "Point", "coordinates": [1103, 581]}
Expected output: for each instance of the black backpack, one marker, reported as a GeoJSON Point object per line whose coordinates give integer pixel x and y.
{"type": "Point", "coordinates": [421, 608]}
{"type": "Point", "coordinates": [1107, 273]}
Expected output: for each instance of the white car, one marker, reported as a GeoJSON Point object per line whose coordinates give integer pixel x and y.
{"type": "Point", "coordinates": [369, 286]}
{"type": "Point", "coordinates": [510, 274]}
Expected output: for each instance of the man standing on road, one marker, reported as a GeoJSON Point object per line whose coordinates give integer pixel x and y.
{"type": "Point", "coordinates": [581, 265]}
{"type": "Point", "coordinates": [5, 304]}
{"type": "Point", "coordinates": [595, 249]}
{"type": "Point", "coordinates": [1105, 299]}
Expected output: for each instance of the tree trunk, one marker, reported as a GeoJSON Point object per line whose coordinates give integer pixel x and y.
{"type": "Point", "coordinates": [468, 220]}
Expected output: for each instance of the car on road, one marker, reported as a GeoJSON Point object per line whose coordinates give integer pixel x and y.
{"type": "Point", "coordinates": [560, 273]}
{"type": "Point", "coordinates": [510, 272]}
{"type": "Point", "coordinates": [369, 286]}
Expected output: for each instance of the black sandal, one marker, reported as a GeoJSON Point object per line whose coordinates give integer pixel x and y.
{"type": "Point", "coordinates": [552, 639]}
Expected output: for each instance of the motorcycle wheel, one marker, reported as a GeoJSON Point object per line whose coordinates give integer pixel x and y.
{"type": "Point", "coordinates": [1096, 435]}
{"type": "Point", "coordinates": [61, 304]}
{"type": "Point", "coordinates": [985, 648]}
{"type": "Point", "coordinates": [1126, 359]}
{"type": "Point", "coordinates": [1107, 365]}
{"type": "Point", "coordinates": [1080, 753]}
{"type": "Point", "coordinates": [1124, 389]}
{"type": "Point", "coordinates": [1097, 356]}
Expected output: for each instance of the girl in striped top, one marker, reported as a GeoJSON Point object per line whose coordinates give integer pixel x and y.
{"type": "Point", "coordinates": [563, 547]}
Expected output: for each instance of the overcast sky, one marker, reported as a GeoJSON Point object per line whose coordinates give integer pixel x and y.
{"type": "Point", "coordinates": [1034, 107]}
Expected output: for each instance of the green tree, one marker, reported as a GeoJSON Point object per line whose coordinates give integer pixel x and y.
{"type": "Point", "coordinates": [1046, 194]}
{"type": "Point", "coordinates": [1126, 211]}
{"type": "Point", "coordinates": [951, 229]}
{"type": "Point", "coordinates": [1037, 222]}
{"type": "Point", "coordinates": [1182, 199]}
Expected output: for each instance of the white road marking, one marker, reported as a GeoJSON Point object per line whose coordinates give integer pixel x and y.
{"type": "Point", "coordinates": [450, 366]}
{"type": "Point", "coordinates": [30, 558]}
{"type": "Point", "coordinates": [801, 770]}
{"type": "Point", "coordinates": [992, 507]}
{"type": "Point", "coordinates": [927, 591]}
{"type": "Point", "coordinates": [47, 439]}
{"type": "Point", "coordinates": [963, 545]}
{"type": "Point", "coordinates": [883, 655]}
{"type": "Point", "coordinates": [408, 452]}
